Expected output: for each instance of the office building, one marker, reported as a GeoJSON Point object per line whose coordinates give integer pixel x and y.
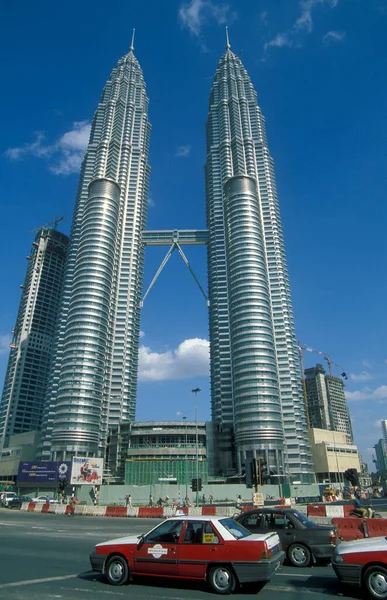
{"type": "Point", "coordinates": [27, 374]}
{"type": "Point", "coordinates": [94, 378]}
{"type": "Point", "coordinates": [332, 455]}
{"type": "Point", "coordinates": [384, 430]}
{"type": "Point", "coordinates": [257, 400]}
{"type": "Point", "coordinates": [327, 405]}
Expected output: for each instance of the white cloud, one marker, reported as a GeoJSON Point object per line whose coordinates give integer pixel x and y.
{"type": "Point", "coordinates": [303, 24]}
{"type": "Point", "coordinates": [5, 341]}
{"type": "Point", "coordinates": [142, 334]}
{"type": "Point", "coordinates": [65, 155]}
{"type": "Point", "coordinates": [367, 364]}
{"type": "Point", "coordinates": [190, 359]}
{"type": "Point", "coordinates": [182, 151]}
{"type": "Point", "coordinates": [380, 393]}
{"type": "Point", "coordinates": [363, 376]}
{"type": "Point", "coordinates": [196, 14]}
{"type": "Point", "coordinates": [280, 40]}
{"type": "Point", "coordinates": [333, 36]}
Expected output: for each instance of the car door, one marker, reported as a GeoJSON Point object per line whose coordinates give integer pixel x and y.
{"type": "Point", "coordinates": [279, 522]}
{"type": "Point", "coordinates": [201, 545]}
{"type": "Point", "coordinates": [156, 552]}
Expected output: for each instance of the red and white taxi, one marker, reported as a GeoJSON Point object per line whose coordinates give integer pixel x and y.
{"type": "Point", "coordinates": [215, 549]}
{"type": "Point", "coordinates": [363, 563]}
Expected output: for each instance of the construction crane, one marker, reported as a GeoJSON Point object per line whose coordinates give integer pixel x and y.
{"type": "Point", "coordinates": [51, 224]}
{"type": "Point", "coordinates": [326, 356]}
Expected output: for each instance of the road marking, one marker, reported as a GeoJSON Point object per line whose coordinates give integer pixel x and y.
{"type": "Point", "coordinates": [31, 581]}
{"type": "Point", "coordinates": [307, 576]}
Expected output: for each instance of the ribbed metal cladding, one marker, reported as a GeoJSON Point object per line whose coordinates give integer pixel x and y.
{"type": "Point", "coordinates": [257, 410]}
{"type": "Point", "coordinates": [118, 151]}
{"type": "Point", "coordinates": [80, 391]}
{"type": "Point", "coordinates": [237, 145]}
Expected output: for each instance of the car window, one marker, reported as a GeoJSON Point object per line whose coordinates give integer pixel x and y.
{"type": "Point", "coordinates": [280, 521]}
{"type": "Point", "coordinates": [236, 529]}
{"type": "Point", "coordinates": [167, 532]}
{"type": "Point", "coordinates": [199, 532]}
{"type": "Point", "coordinates": [254, 520]}
{"type": "Point", "coordinates": [306, 522]}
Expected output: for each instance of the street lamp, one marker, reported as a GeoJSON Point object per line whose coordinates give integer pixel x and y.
{"type": "Point", "coordinates": [196, 391]}
{"type": "Point", "coordinates": [186, 459]}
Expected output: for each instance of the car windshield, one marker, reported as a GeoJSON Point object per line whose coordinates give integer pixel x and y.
{"type": "Point", "coordinates": [304, 520]}
{"type": "Point", "coordinates": [236, 529]}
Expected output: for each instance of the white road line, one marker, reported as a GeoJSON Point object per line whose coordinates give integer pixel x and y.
{"type": "Point", "coordinates": [307, 576]}
{"type": "Point", "coordinates": [31, 581]}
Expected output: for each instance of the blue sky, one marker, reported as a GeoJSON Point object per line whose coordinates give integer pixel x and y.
{"type": "Point", "coordinates": [319, 69]}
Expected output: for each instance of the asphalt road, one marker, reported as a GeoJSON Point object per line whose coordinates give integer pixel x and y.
{"type": "Point", "coordinates": [47, 556]}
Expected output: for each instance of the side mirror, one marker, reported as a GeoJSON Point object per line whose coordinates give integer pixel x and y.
{"type": "Point", "coordinates": [141, 539]}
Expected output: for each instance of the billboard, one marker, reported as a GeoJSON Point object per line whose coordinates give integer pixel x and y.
{"type": "Point", "coordinates": [86, 471]}
{"type": "Point", "coordinates": [43, 472]}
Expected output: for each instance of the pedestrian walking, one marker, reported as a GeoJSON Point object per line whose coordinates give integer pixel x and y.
{"type": "Point", "coordinates": [204, 499]}
{"type": "Point", "coordinates": [151, 503]}
{"type": "Point", "coordinates": [129, 501]}
{"type": "Point", "coordinates": [211, 498]}
{"type": "Point", "coordinates": [72, 504]}
{"type": "Point", "coordinates": [47, 499]}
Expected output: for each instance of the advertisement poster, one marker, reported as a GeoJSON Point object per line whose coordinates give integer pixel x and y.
{"type": "Point", "coordinates": [43, 472]}
{"type": "Point", "coordinates": [86, 471]}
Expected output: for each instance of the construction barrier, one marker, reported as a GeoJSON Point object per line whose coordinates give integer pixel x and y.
{"type": "Point", "coordinates": [349, 528]}
{"type": "Point", "coordinates": [147, 512]}
{"type": "Point", "coordinates": [316, 510]}
{"type": "Point", "coordinates": [376, 527]}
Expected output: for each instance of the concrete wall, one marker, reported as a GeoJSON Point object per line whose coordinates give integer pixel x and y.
{"type": "Point", "coordinates": [115, 494]}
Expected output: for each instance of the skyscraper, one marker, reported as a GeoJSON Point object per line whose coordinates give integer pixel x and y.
{"type": "Point", "coordinates": [27, 373]}
{"type": "Point", "coordinates": [327, 405]}
{"type": "Point", "coordinates": [257, 401]}
{"type": "Point", "coordinates": [94, 376]}
{"type": "Point", "coordinates": [384, 429]}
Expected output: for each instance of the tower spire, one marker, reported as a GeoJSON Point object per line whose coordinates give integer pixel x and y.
{"type": "Point", "coordinates": [227, 40]}
{"type": "Point", "coordinates": [131, 47]}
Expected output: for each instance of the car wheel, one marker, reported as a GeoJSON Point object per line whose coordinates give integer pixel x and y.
{"type": "Point", "coordinates": [117, 570]}
{"type": "Point", "coordinates": [222, 579]}
{"type": "Point", "coordinates": [375, 579]}
{"type": "Point", "coordinates": [299, 555]}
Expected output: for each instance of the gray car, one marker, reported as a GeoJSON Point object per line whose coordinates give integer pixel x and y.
{"type": "Point", "coordinates": [303, 541]}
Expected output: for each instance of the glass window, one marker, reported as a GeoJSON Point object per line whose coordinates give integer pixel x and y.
{"type": "Point", "coordinates": [167, 532]}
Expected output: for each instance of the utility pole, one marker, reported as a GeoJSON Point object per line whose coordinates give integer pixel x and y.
{"type": "Point", "coordinates": [196, 391]}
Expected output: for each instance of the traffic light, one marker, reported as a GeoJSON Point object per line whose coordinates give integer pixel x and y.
{"type": "Point", "coordinates": [352, 476]}
{"type": "Point", "coordinates": [63, 483]}
{"type": "Point", "coordinates": [263, 472]}
{"type": "Point", "coordinates": [251, 472]}
{"type": "Point", "coordinates": [196, 485]}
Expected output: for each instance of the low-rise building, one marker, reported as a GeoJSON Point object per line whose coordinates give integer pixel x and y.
{"type": "Point", "coordinates": [145, 453]}
{"type": "Point", "coordinates": [21, 447]}
{"type": "Point", "coordinates": [332, 455]}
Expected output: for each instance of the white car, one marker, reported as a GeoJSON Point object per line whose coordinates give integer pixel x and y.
{"type": "Point", "coordinates": [363, 563]}
{"type": "Point", "coordinates": [5, 497]}
{"type": "Point", "coordinates": [42, 499]}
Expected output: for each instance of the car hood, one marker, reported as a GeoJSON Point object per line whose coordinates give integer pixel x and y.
{"type": "Point", "coordinates": [365, 545]}
{"type": "Point", "coordinates": [129, 539]}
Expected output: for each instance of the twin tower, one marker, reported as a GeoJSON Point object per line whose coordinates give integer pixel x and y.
{"type": "Point", "coordinates": [256, 393]}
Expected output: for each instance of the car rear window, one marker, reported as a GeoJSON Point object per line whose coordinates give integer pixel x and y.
{"type": "Point", "coordinates": [304, 520]}
{"type": "Point", "coordinates": [236, 529]}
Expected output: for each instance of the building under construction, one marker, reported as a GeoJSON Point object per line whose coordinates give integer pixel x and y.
{"type": "Point", "coordinates": [147, 453]}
